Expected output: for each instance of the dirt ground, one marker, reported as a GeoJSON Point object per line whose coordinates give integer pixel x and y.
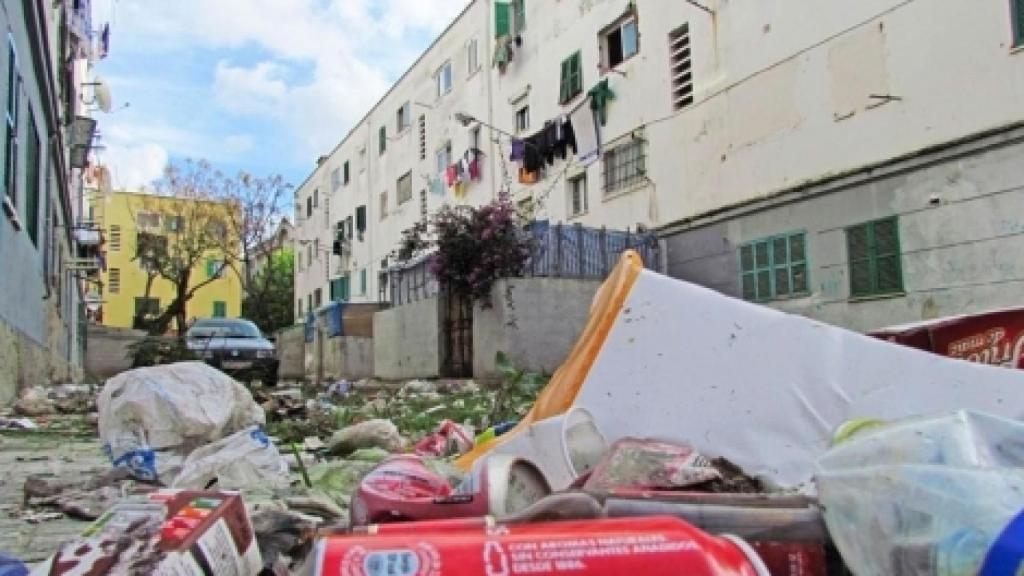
{"type": "Point", "coordinates": [63, 454]}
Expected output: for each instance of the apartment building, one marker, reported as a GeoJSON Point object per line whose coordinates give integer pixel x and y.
{"type": "Point", "coordinates": [854, 162]}
{"type": "Point", "coordinates": [132, 220]}
{"type": "Point", "coordinates": [46, 47]}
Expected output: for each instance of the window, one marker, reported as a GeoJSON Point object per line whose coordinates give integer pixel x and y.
{"type": "Point", "coordinates": [13, 105]}
{"type": "Point", "coordinates": [1017, 20]}
{"type": "Point", "coordinates": [148, 247]}
{"type": "Point", "coordinates": [502, 18]}
{"type": "Point", "coordinates": [681, 70]}
{"type": "Point", "coordinates": [444, 158]}
{"type": "Point", "coordinates": [382, 141]}
{"type": "Point", "coordinates": [147, 220]}
{"type": "Point", "coordinates": [362, 159]}
{"type": "Point", "coordinates": [309, 255]}
{"type": "Point", "coordinates": [362, 281]}
{"type": "Point", "coordinates": [361, 219]}
{"type": "Point", "coordinates": [339, 289]}
{"type": "Point", "coordinates": [309, 207]}
{"type": "Point", "coordinates": [403, 117]}
{"type": "Point", "coordinates": [423, 137]}
{"type": "Point", "coordinates": [335, 179]}
{"type": "Point", "coordinates": [624, 165]}
{"type": "Point", "coordinates": [318, 297]}
{"type": "Point", "coordinates": [316, 248]}
{"type": "Point", "coordinates": [215, 268]}
{"type": "Point", "coordinates": [578, 195]}
{"type": "Point", "coordinates": [174, 223]}
{"type": "Point", "coordinates": [518, 16]}
{"type": "Point", "coordinates": [774, 267]}
{"type": "Point", "coordinates": [309, 303]}
{"type": "Point", "coordinates": [146, 307]}
{"type": "Point", "coordinates": [472, 57]}
{"type": "Point", "coordinates": [345, 173]}
{"type": "Point", "coordinates": [522, 119]}
{"type": "Point", "coordinates": [873, 250]}
{"type": "Point", "coordinates": [474, 138]}
{"type": "Point", "coordinates": [620, 42]}
{"type": "Point", "coordinates": [404, 188]}
{"type": "Point", "coordinates": [299, 302]}
{"type": "Point", "coordinates": [444, 79]}
{"type": "Point", "coordinates": [114, 281]}
{"type": "Point", "coordinates": [220, 309]}
{"type": "Point", "coordinates": [298, 260]}
{"type": "Point", "coordinates": [383, 204]}
{"type": "Point", "coordinates": [572, 79]}
{"type": "Point", "coordinates": [115, 238]}
{"type": "Point", "coordinates": [316, 198]}
{"type": "Point", "coordinates": [423, 204]}
{"type": "Point", "coordinates": [32, 160]}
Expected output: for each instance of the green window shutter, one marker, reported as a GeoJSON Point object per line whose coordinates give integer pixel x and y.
{"type": "Point", "coordinates": [32, 174]}
{"type": "Point", "coordinates": [858, 249]}
{"type": "Point", "coordinates": [798, 263]}
{"type": "Point", "coordinates": [362, 281]}
{"type": "Point", "coordinates": [361, 218]}
{"type": "Point", "coordinates": [888, 273]}
{"type": "Point", "coordinates": [211, 267]}
{"type": "Point", "coordinates": [220, 309]}
{"type": "Point", "coordinates": [774, 267]}
{"type": "Point", "coordinates": [576, 74]}
{"type": "Point", "coordinates": [1017, 17]}
{"type": "Point", "coordinates": [502, 19]}
{"type": "Point", "coordinates": [520, 16]}
{"type": "Point", "coordinates": [383, 139]}
{"type": "Point", "coordinates": [345, 295]}
{"type": "Point", "coordinates": [563, 93]}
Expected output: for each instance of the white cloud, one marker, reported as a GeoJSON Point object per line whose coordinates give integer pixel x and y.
{"type": "Point", "coordinates": [257, 90]}
{"type": "Point", "coordinates": [334, 46]}
{"type": "Point", "coordinates": [135, 167]}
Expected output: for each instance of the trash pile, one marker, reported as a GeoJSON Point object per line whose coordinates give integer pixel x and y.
{"type": "Point", "coordinates": [712, 448]}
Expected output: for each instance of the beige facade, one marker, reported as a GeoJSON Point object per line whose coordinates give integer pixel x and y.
{"type": "Point", "coordinates": [717, 103]}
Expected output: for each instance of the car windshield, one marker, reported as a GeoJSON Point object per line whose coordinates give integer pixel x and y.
{"type": "Point", "coordinates": [223, 329]}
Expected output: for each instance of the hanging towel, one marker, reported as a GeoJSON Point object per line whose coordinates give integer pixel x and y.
{"type": "Point", "coordinates": [451, 176]}
{"type": "Point", "coordinates": [460, 190]}
{"type": "Point", "coordinates": [585, 128]}
{"type": "Point", "coordinates": [568, 134]}
{"type": "Point", "coordinates": [518, 150]}
{"type": "Point", "coordinates": [463, 167]}
{"type": "Point", "coordinates": [474, 169]}
{"type": "Point", "coordinates": [437, 186]}
{"type": "Point", "coordinates": [600, 96]}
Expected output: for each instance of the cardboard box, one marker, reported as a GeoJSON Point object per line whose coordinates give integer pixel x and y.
{"type": "Point", "coordinates": [177, 532]}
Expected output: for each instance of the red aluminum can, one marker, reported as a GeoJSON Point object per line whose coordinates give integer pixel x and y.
{"type": "Point", "coordinates": [604, 547]}
{"type": "Point", "coordinates": [792, 558]}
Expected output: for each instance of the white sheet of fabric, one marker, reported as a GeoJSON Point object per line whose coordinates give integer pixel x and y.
{"type": "Point", "coordinates": [762, 388]}
{"type": "Point", "coordinates": [585, 128]}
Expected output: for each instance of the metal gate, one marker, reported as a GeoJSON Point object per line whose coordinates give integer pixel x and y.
{"type": "Point", "coordinates": [457, 336]}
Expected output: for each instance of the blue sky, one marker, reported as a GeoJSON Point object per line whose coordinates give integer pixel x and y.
{"type": "Point", "coordinates": [264, 86]}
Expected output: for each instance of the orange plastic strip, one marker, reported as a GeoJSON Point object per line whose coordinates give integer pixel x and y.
{"type": "Point", "coordinates": [560, 393]}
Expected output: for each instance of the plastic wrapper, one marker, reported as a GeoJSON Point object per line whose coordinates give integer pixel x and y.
{"type": "Point", "coordinates": [151, 418]}
{"type": "Point", "coordinates": [938, 495]}
{"type": "Point", "coordinates": [246, 459]}
{"type": "Point", "coordinates": [648, 464]}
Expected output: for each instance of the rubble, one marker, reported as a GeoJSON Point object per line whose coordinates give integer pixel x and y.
{"type": "Point", "coordinates": [377, 433]}
{"type": "Point", "coordinates": [284, 539]}
{"type": "Point", "coordinates": [34, 402]}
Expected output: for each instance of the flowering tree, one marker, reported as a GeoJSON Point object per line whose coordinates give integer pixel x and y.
{"type": "Point", "coordinates": [474, 246]}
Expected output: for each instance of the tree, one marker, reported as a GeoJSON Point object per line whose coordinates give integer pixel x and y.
{"type": "Point", "coordinates": [193, 229]}
{"type": "Point", "coordinates": [260, 204]}
{"type": "Point", "coordinates": [268, 301]}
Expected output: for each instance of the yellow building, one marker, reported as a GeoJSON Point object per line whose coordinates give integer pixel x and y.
{"type": "Point", "coordinates": [179, 230]}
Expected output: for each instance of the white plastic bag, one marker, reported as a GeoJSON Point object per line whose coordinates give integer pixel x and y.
{"type": "Point", "coordinates": [246, 459]}
{"type": "Point", "coordinates": [151, 418]}
{"type": "Point", "coordinates": [940, 495]}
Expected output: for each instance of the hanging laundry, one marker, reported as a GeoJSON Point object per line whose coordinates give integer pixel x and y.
{"type": "Point", "coordinates": [518, 150]}
{"type": "Point", "coordinates": [463, 168]}
{"type": "Point", "coordinates": [451, 175]}
{"type": "Point", "coordinates": [600, 96]}
{"type": "Point", "coordinates": [503, 52]}
{"type": "Point", "coordinates": [460, 190]}
{"type": "Point", "coordinates": [436, 186]}
{"type": "Point", "coordinates": [474, 169]}
{"type": "Point", "coordinates": [549, 141]}
{"type": "Point", "coordinates": [528, 177]}
{"type": "Point", "coordinates": [588, 142]}
{"type": "Point", "coordinates": [568, 135]}
{"type": "Point", "coordinates": [533, 158]}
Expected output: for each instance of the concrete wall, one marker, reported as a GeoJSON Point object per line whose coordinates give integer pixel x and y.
{"type": "Point", "coordinates": [349, 357]}
{"type": "Point", "coordinates": [961, 228]}
{"type": "Point", "coordinates": [291, 350]}
{"type": "Point", "coordinates": [39, 300]}
{"type": "Point", "coordinates": [534, 321]}
{"type": "Point", "coordinates": [107, 353]}
{"type": "Point", "coordinates": [406, 342]}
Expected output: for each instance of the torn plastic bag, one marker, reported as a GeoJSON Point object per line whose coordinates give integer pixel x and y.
{"type": "Point", "coordinates": [151, 418]}
{"type": "Point", "coordinates": [649, 464]}
{"type": "Point", "coordinates": [939, 495]}
{"type": "Point", "coordinates": [246, 459]}
{"type": "Point", "coordinates": [449, 439]}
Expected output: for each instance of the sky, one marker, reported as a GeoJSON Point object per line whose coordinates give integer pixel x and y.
{"type": "Point", "coordinates": [264, 86]}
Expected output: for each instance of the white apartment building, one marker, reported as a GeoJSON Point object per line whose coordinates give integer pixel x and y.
{"type": "Point", "coordinates": [854, 161]}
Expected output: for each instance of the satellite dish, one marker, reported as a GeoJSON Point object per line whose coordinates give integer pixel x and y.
{"type": "Point", "coordinates": [101, 94]}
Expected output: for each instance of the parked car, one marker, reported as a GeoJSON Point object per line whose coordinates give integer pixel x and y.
{"type": "Point", "coordinates": [236, 347]}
